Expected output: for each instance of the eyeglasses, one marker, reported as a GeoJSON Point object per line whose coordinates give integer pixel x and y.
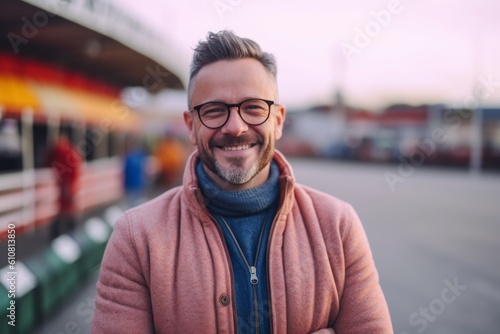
{"type": "Point", "coordinates": [252, 111]}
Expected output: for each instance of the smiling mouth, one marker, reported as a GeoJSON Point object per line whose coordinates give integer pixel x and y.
{"type": "Point", "coordinates": [236, 148]}
{"type": "Point", "coordinates": [230, 143]}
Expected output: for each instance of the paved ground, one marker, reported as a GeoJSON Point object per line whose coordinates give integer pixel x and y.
{"type": "Point", "coordinates": [435, 238]}
{"type": "Point", "coordinates": [75, 315]}
{"type": "Point", "coordinates": [437, 228]}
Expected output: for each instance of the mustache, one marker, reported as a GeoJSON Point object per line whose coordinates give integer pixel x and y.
{"type": "Point", "coordinates": [228, 140]}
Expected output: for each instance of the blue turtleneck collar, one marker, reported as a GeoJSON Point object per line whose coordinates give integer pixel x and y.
{"type": "Point", "coordinates": [240, 202]}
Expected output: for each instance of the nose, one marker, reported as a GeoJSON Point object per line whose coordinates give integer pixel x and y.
{"type": "Point", "coordinates": [234, 126]}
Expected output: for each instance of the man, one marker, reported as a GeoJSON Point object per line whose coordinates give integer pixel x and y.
{"type": "Point", "coordinates": [239, 247]}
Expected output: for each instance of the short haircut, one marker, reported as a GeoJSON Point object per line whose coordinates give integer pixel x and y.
{"type": "Point", "coordinates": [225, 45]}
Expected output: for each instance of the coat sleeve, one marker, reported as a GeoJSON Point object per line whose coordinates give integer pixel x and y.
{"type": "Point", "coordinates": [363, 308]}
{"type": "Point", "coordinates": [123, 303]}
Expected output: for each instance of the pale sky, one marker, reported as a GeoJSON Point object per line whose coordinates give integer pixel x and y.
{"type": "Point", "coordinates": [377, 52]}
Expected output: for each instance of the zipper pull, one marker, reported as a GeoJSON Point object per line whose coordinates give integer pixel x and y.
{"type": "Point", "coordinates": [253, 275]}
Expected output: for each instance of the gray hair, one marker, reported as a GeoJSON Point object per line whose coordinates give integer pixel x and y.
{"type": "Point", "coordinates": [225, 45]}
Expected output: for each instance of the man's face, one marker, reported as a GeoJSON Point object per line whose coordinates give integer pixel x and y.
{"type": "Point", "coordinates": [237, 155]}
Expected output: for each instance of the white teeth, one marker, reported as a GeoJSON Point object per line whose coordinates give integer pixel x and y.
{"type": "Point", "coordinates": [236, 148]}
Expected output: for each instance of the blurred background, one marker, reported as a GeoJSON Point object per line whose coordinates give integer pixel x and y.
{"type": "Point", "coordinates": [393, 106]}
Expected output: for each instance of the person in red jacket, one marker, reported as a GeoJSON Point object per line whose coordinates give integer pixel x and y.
{"type": "Point", "coordinates": [239, 247]}
{"type": "Point", "coordinates": [65, 162]}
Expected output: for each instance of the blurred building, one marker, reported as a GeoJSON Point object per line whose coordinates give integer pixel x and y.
{"type": "Point", "coordinates": [63, 67]}
{"type": "Point", "coordinates": [491, 158]}
{"type": "Point", "coordinates": [436, 134]}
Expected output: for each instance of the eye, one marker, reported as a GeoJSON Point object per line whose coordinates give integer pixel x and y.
{"type": "Point", "coordinates": [213, 110]}
{"type": "Point", "coordinates": [254, 107]}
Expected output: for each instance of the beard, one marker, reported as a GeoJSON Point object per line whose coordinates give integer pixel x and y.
{"type": "Point", "coordinates": [237, 172]}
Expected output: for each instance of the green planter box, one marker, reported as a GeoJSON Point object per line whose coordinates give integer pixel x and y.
{"type": "Point", "coordinates": [4, 304]}
{"type": "Point", "coordinates": [92, 239]}
{"type": "Point", "coordinates": [57, 272]}
{"type": "Point", "coordinates": [17, 300]}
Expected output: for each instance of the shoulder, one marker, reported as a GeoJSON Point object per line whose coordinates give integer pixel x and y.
{"type": "Point", "coordinates": [328, 210]}
{"type": "Point", "coordinates": [320, 201]}
{"type": "Point", "coordinates": [153, 214]}
{"type": "Point", "coordinates": [150, 228]}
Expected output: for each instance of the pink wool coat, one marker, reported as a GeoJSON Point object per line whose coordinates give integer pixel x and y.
{"type": "Point", "coordinates": [166, 268]}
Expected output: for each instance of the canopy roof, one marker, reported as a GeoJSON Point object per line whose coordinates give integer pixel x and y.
{"type": "Point", "coordinates": [30, 31]}
{"type": "Point", "coordinates": [58, 67]}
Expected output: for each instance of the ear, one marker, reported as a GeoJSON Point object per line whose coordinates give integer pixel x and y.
{"type": "Point", "coordinates": [188, 120]}
{"type": "Point", "coordinates": [280, 120]}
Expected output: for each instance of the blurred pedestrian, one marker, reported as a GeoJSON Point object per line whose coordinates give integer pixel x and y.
{"type": "Point", "coordinates": [65, 162]}
{"type": "Point", "coordinates": [240, 246]}
{"type": "Point", "coordinates": [134, 173]}
{"type": "Point", "coordinates": [171, 156]}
